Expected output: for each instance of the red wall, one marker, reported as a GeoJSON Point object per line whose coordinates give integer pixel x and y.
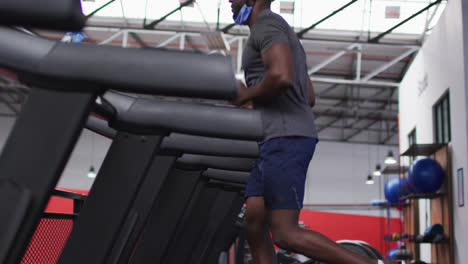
{"type": "Point", "coordinates": [338, 226]}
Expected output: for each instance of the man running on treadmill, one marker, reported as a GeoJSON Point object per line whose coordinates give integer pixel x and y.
{"type": "Point", "coordinates": [275, 68]}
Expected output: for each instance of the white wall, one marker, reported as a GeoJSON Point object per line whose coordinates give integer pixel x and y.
{"type": "Point", "coordinates": [440, 66]}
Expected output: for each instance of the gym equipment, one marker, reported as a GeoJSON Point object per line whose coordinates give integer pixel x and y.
{"type": "Point", "coordinates": [370, 248]}
{"type": "Point", "coordinates": [357, 247]}
{"type": "Point", "coordinates": [435, 233]}
{"type": "Point", "coordinates": [52, 232]}
{"type": "Point", "coordinates": [428, 176]}
{"type": "Point", "coordinates": [52, 14]}
{"type": "Point", "coordinates": [392, 253]}
{"type": "Point", "coordinates": [399, 254]}
{"type": "Point", "coordinates": [403, 254]}
{"type": "Point", "coordinates": [62, 96]}
{"type": "Point", "coordinates": [392, 190]}
{"type": "Point", "coordinates": [360, 247]}
{"type": "Point", "coordinates": [396, 236]}
{"type": "Point", "coordinates": [151, 204]}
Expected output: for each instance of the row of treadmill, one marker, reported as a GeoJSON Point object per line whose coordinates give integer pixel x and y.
{"type": "Point", "coordinates": [171, 186]}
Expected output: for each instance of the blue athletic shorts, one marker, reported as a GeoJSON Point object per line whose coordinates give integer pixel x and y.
{"type": "Point", "coordinates": [279, 174]}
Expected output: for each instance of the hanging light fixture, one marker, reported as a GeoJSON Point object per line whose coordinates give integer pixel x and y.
{"type": "Point", "coordinates": [370, 179]}
{"type": "Point", "coordinates": [390, 159]}
{"type": "Point", "coordinates": [92, 172]}
{"type": "Point", "coordinates": [377, 171]}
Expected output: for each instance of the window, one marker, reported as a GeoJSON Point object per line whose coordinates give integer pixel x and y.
{"type": "Point", "coordinates": [392, 12]}
{"type": "Point", "coordinates": [412, 141]}
{"type": "Point", "coordinates": [442, 124]}
{"type": "Point", "coordinates": [287, 7]}
{"type": "Point", "coordinates": [412, 137]}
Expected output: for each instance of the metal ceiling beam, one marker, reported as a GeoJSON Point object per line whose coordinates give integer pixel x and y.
{"type": "Point", "coordinates": [354, 82]}
{"type": "Point", "coordinates": [228, 27]}
{"type": "Point", "coordinates": [169, 40]}
{"type": "Point", "coordinates": [356, 142]}
{"type": "Point", "coordinates": [112, 37]}
{"type": "Point", "coordinates": [329, 89]}
{"type": "Point", "coordinates": [138, 40]}
{"type": "Point", "coordinates": [329, 124]}
{"type": "Point", "coordinates": [342, 100]}
{"type": "Point", "coordinates": [349, 128]}
{"type": "Point", "coordinates": [428, 22]}
{"type": "Point", "coordinates": [389, 64]}
{"type": "Point", "coordinates": [350, 76]}
{"type": "Point", "coordinates": [359, 109]}
{"type": "Point", "coordinates": [354, 98]}
{"type": "Point", "coordinates": [332, 58]}
{"type": "Point", "coordinates": [388, 138]}
{"type": "Point", "coordinates": [167, 31]}
{"type": "Point", "coordinates": [10, 106]}
{"type": "Point", "coordinates": [155, 22]}
{"type": "Point", "coordinates": [406, 67]}
{"type": "Point", "coordinates": [361, 129]}
{"type": "Point", "coordinates": [377, 38]}
{"type": "Point", "coordinates": [360, 117]}
{"type": "Point", "coordinates": [358, 64]}
{"type": "Point", "coordinates": [99, 9]}
{"type": "Point", "coordinates": [302, 32]}
{"type": "Point", "coordinates": [377, 119]}
{"type": "Point", "coordinates": [102, 23]}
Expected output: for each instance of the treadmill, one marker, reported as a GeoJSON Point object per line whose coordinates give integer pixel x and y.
{"type": "Point", "coordinates": [65, 81]}
{"type": "Point", "coordinates": [129, 199]}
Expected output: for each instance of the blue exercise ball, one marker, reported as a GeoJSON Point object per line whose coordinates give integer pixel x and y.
{"type": "Point", "coordinates": [404, 188]}
{"type": "Point", "coordinates": [392, 189]}
{"type": "Point", "coordinates": [407, 188]}
{"type": "Point", "coordinates": [427, 176]}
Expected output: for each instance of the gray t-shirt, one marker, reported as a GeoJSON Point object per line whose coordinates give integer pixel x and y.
{"type": "Point", "coordinates": [288, 114]}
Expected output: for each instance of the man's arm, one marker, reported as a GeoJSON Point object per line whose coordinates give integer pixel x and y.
{"type": "Point", "coordinates": [310, 89]}
{"type": "Point", "coordinates": [279, 76]}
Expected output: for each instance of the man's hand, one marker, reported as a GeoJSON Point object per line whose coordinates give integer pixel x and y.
{"type": "Point", "coordinates": [242, 97]}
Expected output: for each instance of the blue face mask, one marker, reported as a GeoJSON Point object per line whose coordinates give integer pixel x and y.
{"type": "Point", "coordinates": [243, 15]}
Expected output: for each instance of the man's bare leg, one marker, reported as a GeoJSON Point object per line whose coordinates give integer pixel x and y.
{"type": "Point", "coordinates": [257, 231]}
{"type": "Point", "coordinates": [289, 236]}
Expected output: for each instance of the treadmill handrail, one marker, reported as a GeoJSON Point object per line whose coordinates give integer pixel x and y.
{"type": "Point", "coordinates": [52, 14]}
{"type": "Point", "coordinates": [179, 143]}
{"type": "Point", "coordinates": [147, 116]}
{"type": "Point", "coordinates": [222, 163]}
{"type": "Point", "coordinates": [210, 146]}
{"type": "Point", "coordinates": [100, 126]}
{"type": "Point", "coordinates": [52, 64]}
{"type": "Point", "coordinates": [227, 175]}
